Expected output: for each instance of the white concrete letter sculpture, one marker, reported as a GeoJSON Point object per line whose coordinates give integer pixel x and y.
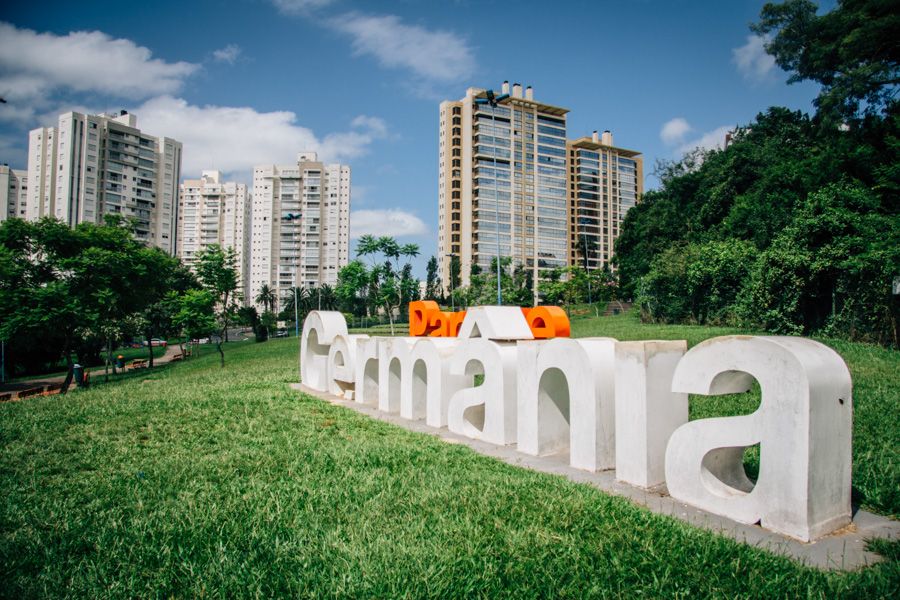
{"type": "Point", "coordinates": [319, 330]}
{"type": "Point", "coordinates": [566, 400]}
{"type": "Point", "coordinates": [621, 405]}
{"type": "Point", "coordinates": [646, 408]}
{"type": "Point", "coordinates": [803, 426]}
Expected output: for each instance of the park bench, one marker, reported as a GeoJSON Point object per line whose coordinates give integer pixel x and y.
{"type": "Point", "coordinates": [138, 364]}
{"type": "Point", "coordinates": [35, 391]}
{"type": "Point", "coordinates": [6, 397]}
{"type": "Point", "coordinates": [53, 389]}
{"type": "Point", "coordinates": [177, 357]}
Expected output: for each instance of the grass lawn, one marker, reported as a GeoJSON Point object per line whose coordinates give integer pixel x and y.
{"type": "Point", "coordinates": [192, 480]}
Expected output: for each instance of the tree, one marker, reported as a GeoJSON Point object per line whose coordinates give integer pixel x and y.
{"type": "Point", "coordinates": [75, 289]}
{"type": "Point", "coordinates": [196, 316]}
{"type": "Point", "coordinates": [266, 297]}
{"type": "Point", "coordinates": [217, 270]}
{"type": "Point", "coordinates": [432, 285]}
{"type": "Point", "coordinates": [852, 51]}
{"type": "Point", "coordinates": [352, 283]}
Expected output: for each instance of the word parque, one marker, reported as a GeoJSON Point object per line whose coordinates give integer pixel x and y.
{"type": "Point", "coordinates": [615, 405]}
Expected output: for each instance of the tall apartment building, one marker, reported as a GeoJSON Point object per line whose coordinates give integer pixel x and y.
{"type": "Point", "coordinates": [604, 182]}
{"type": "Point", "coordinates": [212, 211]}
{"type": "Point", "coordinates": [92, 165]}
{"type": "Point", "coordinates": [300, 225]}
{"type": "Point", "coordinates": [502, 184]}
{"type": "Point", "coordinates": [13, 193]}
{"type": "Point", "coordinates": [511, 183]}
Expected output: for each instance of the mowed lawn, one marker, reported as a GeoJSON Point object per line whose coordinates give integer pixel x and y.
{"type": "Point", "coordinates": [192, 480]}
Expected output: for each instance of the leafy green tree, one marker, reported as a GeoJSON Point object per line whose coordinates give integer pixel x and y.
{"type": "Point", "coordinates": [852, 51]}
{"type": "Point", "coordinates": [217, 270]}
{"type": "Point", "coordinates": [75, 288]}
{"type": "Point", "coordinates": [352, 284]}
{"type": "Point", "coordinates": [432, 284]}
{"type": "Point", "coordinates": [196, 316]}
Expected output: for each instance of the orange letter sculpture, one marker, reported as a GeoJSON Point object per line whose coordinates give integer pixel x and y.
{"type": "Point", "coordinates": [427, 319]}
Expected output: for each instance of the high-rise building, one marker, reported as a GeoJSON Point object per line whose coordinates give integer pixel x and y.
{"type": "Point", "coordinates": [212, 211]}
{"type": "Point", "coordinates": [502, 185]}
{"type": "Point", "coordinates": [92, 165]}
{"type": "Point", "coordinates": [512, 184]}
{"type": "Point", "coordinates": [13, 193]}
{"type": "Point", "coordinates": [300, 225]}
{"type": "Point", "coordinates": [604, 182]}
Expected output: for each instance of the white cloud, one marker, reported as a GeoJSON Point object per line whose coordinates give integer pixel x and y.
{"type": "Point", "coordinates": [710, 140]}
{"type": "Point", "coordinates": [295, 7]}
{"type": "Point", "coordinates": [752, 60]}
{"type": "Point", "coordinates": [33, 65]}
{"type": "Point", "coordinates": [430, 54]}
{"type": "Point", "coordinates": [674, 131]}
{"type": "Point", "coordinates": [392, 221]}
{"type": "Point", "coordinates": [235, 139]}
{"type": "Point", "coordinates": [228, 54]}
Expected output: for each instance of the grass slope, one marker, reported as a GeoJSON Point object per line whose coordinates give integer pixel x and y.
{"type": "Point", "coordinates": [197, 481]}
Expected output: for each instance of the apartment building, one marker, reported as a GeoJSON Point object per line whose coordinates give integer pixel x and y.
{"type": "Point", "coordinates": [604, 182]}
{"type": "Point", "coordinates": [502, 182]}
{"type": "Point", "coordinates": [512, 184]}
{"type": "Point", "coordinates": [300, 232]}
{"type": "Point", "coordinates": [92, 165]}
{"type": "Point", "coordinates": [13, 193]}
{"type": "Point", "coordinates": [213, 211]}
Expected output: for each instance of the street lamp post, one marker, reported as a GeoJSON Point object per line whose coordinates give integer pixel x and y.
{"type": "Point", "coordinates": [492, 100]}
{"type": "Point", "coordinates": [290, 217]}
{"type": "Point", "coordinates": [587, 264]}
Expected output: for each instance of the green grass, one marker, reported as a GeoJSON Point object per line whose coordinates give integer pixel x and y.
{"type": "Point", "coordinates": [191, 480]}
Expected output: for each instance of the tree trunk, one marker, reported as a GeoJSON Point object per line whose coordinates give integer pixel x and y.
{"type": "Point", "coordinates": [108, 360]}
{"type": "Point", "coordinates": [70, 371]}
{"type": "Point", "coordinates": [219, 348]}
{"type": "Point", "coordinates": [147, 335]}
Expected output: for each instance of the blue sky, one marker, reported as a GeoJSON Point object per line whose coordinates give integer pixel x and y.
{"type": "Point", "coordinates": [256, 81]}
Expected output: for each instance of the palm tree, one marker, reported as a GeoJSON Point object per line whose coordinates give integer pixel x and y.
{"type": "Point", "coordinates": [327, 297]}
{"type": "Point", "coordinates": [266, 297]}
{"type": "Point", "coordinates": [409, 250]}
{"type": "Point", "coordinates": [367, 245]}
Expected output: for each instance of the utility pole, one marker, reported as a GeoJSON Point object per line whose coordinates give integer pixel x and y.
{"type": "Point", "coordinates": [491, 99]}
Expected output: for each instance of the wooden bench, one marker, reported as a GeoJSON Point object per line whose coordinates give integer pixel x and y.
{"type": "Point", "coordinates": [177, 357]}
{"type": "Point", "coordinates": [6, 397]}
{"type": "Point", "coordinates": [53, 389]}
{"type": "Point", "coordinates": [35, 391]}
{"type": "Point", "coordinates": [138, 364]}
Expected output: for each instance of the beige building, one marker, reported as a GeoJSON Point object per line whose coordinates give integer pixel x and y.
{"type": "Point", "coordinates": [300, 225]}
{"type": "Point", "coordinates": [511, 183]}
{"type": "Point", "coordinates": [92, 165]}
{"type": "Point", "coordinates": [212, 211]}
{"type": "Point", "coordinates": [502, 183]}
{"type": "Point", "coordinates": [604, 182]}
{"type": "Point", "coordinates": [13, 193]}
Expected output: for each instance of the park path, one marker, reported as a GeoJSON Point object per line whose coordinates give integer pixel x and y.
{"type": "Point", "coordinates": [15, 387]}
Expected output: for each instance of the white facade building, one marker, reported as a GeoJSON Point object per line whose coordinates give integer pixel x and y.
{"type": "Point", "coordinates": [92, 165]}
{"type": "Point", "coordinates": [300, 225]}
{"type": "Point", "coordinates": [13, 193]}
{"type": "Point", "coordinates": [212, 211]}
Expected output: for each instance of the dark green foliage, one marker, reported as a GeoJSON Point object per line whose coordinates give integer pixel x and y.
{"type": "Point", "coordinates": [812, 209]}
{"type": "Point", "coordinates": [817, 197]}
{"type": "Point", "coordinates": [77, 290]}
{"type": "Point", "coordinates": [697, 282]}
{"type": "Point", "coordinates": [853, 51]}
